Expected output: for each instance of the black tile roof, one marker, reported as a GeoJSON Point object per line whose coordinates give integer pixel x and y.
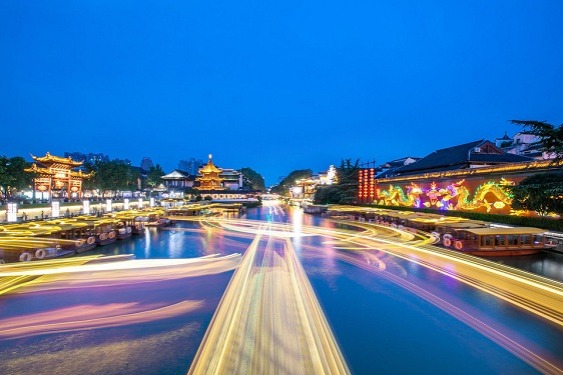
{"type": "Point", "coordinates": [459, 157]}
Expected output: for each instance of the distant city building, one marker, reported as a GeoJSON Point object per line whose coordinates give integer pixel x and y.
{"type": "Point", "coordinates": [191, 165]}
{"type": "Point", "coordinates": [86, 158]}
{"type": "Point", "coordinates": [147, 163]}
{"type": "Point", "coordinates": [126, 161]}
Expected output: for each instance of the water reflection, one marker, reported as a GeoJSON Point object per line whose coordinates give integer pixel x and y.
{"type": "Point", "coordinates": [546, 263]}
{"type": "Point", "coordinates": [391, 311]}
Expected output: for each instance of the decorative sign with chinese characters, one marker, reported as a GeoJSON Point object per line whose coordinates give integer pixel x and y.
{"type": "Point", "coordinates": [12, 212]}
{"type": "Point", "coordinates": [55, 208]}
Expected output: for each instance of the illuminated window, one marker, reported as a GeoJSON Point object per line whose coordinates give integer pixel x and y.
{"type": "Point", "coordinates": [487, 241]}
{"type": "Point", "coordinates": [500, 240]}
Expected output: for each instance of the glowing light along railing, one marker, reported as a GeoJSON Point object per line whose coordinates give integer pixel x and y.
{"type": "Point", "coordinates": [269, 320]}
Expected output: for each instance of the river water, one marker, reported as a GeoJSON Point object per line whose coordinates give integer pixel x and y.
{"type": "Point", "coordinates": [380, 320]}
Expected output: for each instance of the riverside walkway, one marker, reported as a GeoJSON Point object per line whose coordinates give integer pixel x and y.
{"type": "Point", "coordinates": [269, 320]}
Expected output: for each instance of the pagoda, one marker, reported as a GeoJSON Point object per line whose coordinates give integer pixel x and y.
{"type": "Point", "coordinates": [55, 174]}
{"type": "Point", "coordinates": [209, 179]}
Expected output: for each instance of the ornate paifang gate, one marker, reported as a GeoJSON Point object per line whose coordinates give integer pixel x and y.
{"type": "Point", "coordinates": [55, 174]}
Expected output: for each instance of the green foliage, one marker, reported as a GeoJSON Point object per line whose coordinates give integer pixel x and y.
{"type": "Point", "coordinates": [154, 176]}
{"type": "Point", "coordinates": [345, 190]}
{"type": "Point", "coordinates": [552, 135]}
{"type": "Point", "coordinates": [12, 175]}
{"type": "Point", "coordinates": [283, 187]}
{"type": "Point", "coordinates": [111, 176]}
{"type": "Point", "coordinates": [348, 180]}
{"type": "Point", "coordinates": [328, 194]}
{"type": "Point", "coordinates": [253, 179]}
{"type": "Point", "coordinates": [542, 193]}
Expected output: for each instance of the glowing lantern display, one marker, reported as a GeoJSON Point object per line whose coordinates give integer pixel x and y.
{"type": "Point", "coordinates": [12, 212]}
{"type": "Point", "coordinates": [55, 209]}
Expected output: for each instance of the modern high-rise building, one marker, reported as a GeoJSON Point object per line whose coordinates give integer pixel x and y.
{"type": "Point", "coordinates": [147, 163]}
{"type": "Point", "coordinates": [86, 158]}
{"type": "Point", "coordinates": [191, 165]}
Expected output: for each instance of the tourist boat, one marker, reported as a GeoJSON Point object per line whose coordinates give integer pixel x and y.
{"type": "Point", "coordinates": [25, 249]}
{"type": "Point", "coordinates": [123, 230]}
{"type": "Point", "coordinates": [68, 236]}
{"type": "Point", "coordinates": [75, 233]}
{"type": "Point", "coordinates": [22, 243]}
{"type": "Point", "coordinates": [468, 236]}
{"type": "Point", "coordinates": [102, 229]}
{"type": "Point", "coordinates": [314, 209]}
{"type": "Point", "coordinates": [133, 221]}
{"type": "Point", "coordinates": [491, 242]}
{"type": "Point", "coordinates": [157, 218]}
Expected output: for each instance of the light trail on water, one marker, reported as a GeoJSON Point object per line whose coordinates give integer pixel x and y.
{"type": "Point", "coordinates": [537, 295]}
{"type": "Point", "coordinates": [269, 320]}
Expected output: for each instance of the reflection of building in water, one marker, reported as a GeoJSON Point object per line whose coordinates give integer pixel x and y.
{"type": "Point", "coordinates": [55, 176]}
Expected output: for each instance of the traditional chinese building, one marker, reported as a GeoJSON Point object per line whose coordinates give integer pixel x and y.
{"type": "Point", "coordinates": [471, 177]}
{"type": "Point", "coordinates": [209, 178]}
{"type": "Point", "coordinates": [55, 175]}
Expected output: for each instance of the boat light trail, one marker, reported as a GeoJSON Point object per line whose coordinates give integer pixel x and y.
{"type": "Point", "coordinates": [269, 320]}
{"type": "Point", "coordinates": [83, 317]}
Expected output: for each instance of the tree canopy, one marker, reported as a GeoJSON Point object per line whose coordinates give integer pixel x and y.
{"type": "Point", "coordinates": [551, 135]}
{"type": "Point", "coordinates": [253, 179]}
{"type": "Point", "coordinates": [12, 175]}
{"type": "Point", "coordinates": [154, 176]}
{"type": "Point", "coordinates": [345, 190]}
{"type": "Point", "coordinates": [111, 176]}
{"type": "Point", "coordinates": [286, 183]}
{"type": "Point", "coordinates": [542, 193]}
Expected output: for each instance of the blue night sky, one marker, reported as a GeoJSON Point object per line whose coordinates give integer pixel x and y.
{"type": "Point", "coordinates": [273, 85]}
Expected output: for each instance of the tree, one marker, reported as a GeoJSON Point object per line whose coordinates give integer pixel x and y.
{"type": "Point", "coordinates": [542, 193]}
{"type": "Point", "coordinates": [12, 175]}
{"type": "Point", "coordinates": [112, 176]}
{"type": "Point", "coordinates": [328, 194]}
{"type": "Point", "coordinates": [253, 179]}
{"type": "Point", "coordinates": [551, 135]}
{"type": "Point", "coordinates": [345, 190]}
{"type": "Point", "coordinates": [285, 184]}
{"type": "Point", "coordinates": [154, 176]}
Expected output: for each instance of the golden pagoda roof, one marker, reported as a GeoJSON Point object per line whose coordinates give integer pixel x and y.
{"type": "Point", "coordinates": [48, 158]}
{"type": "Point", "coordinates": [210, 167]}
{"type": "Point", "coordinates": [41, 170]}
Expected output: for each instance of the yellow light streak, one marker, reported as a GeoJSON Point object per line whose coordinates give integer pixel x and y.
{"type": "Point", "coordinates": [269, 320]}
